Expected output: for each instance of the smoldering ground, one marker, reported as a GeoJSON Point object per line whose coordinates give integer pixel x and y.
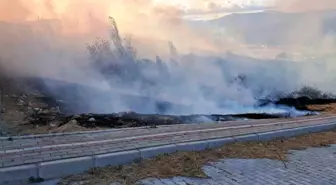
{"type": "Point", "coordinates": [48, 39]}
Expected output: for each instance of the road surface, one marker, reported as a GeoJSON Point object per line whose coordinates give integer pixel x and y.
{"type": "Point", "coordinates": [57, 155]}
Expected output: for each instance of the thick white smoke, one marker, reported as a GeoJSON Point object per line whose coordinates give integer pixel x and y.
{"type": "Point", "coordinates": [48, 37]}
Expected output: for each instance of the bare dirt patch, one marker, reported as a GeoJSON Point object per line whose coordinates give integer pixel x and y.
{"type": "Point", "coordinates": [17, 110]}
{"type": "Point", "coordinates": [189, 164]}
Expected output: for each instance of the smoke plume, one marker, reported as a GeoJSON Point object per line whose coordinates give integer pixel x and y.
{"type": "Point", "coordinates": [48, 38]}
{"type": "Point", "coordinates": [304, 6]}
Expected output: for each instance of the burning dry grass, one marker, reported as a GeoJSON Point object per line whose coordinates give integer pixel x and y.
{"type": "Point", "coordinates": [189, 164]}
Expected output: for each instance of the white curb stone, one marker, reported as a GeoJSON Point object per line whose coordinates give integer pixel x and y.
{"type": "Point", "coordinates": [17, 173]}
{"type": "Point", "coordinates": [267, 136]}
{"type": "Point", "coordinates": [287, 133]}
{"type": "Point", "coordinates": [62, 168]}
{"type": "Point", "coordinates": [320, 128]}
{"type": "Point", "coordinates": [193, 146]}
{"type": "Point", "coordinates": [215, 143]}
{"type": "Point", "coordinates": [155, 151]}
{"type": "Point", "coordinates": [118, 158]}
{"type": "Point", "coordinates": [245, 138]}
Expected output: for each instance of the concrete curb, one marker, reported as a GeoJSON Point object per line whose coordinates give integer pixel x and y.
{"type": "Point", "coordinates": [61, 168]}
{"type": "Point", "coordinates": [117, 158]}
{"type": "Point", "coordinates": [116, 130]}
{"type": "Point", "coordinates": [193, 146]}
{"type": "Point", "coordinates": [215, 143]}
{"type": "Point", "coordinates": [82, 132]}
{"type": "Point", "coordinates": [245, 138]}
{"type": "Point", "coordinates": [17, 173]}
{"type": "Point", "coordinates": [147, 153]}
{"type": "Point", "coordinates": [66, 167]}
{"type": "Point", "coordinates": [71, 133]}
{"type": "Point", "coordinates": [287, 133]}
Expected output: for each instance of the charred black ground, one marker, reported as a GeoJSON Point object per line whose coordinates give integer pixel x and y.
{"type": "Point", "coordinates": [130, 119]}
{"type": "Point", "coordinates": [300, 99]}
{"type": "Point", "coordinates": [66, 97]}
{"type": "Point", "coordinates": [71, 109]}
{"type": "Point", "coordinates": [62, 108]}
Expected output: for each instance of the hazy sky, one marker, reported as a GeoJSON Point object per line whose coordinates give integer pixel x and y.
{"type": "Point", "coordinates": [201, 4]}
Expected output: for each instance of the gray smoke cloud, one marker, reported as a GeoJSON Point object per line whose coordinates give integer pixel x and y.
{"type": "Point", "coordinates": [42, 38]}
{"type": "Point", "coordinates": [304, 6]}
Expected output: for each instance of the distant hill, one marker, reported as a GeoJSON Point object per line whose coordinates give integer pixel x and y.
{"type": "Point", "coordinates": [273, 27]}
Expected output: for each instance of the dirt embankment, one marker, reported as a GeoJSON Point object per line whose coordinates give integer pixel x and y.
{"type": "Point", "coordinates": [324, 108]}
{"type": "Point", "coordinates": [24, 114]}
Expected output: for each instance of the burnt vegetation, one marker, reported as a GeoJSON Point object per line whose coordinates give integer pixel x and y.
{"type": "Point", "coordinates": [300, 99]}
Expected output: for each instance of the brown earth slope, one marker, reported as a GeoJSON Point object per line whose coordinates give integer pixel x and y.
{"type": "Point", "coordinates": [324, 109]}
